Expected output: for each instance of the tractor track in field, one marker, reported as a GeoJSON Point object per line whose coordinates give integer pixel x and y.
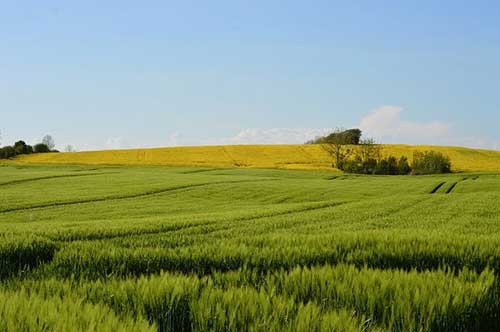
{"type": "Point", "coordinates": [453, 185]}
{"type": "Point", "coordinates": [121, 197]}
{"type": "Point", "coordinates": [433, 191]}
{"type": "Point", "coordinates": [204, 170]}
{"type": "Point", "coordinates": [224, 227]}
{"type": "Point", "coordinates": [14, 182]}
{"type": "Point", "coordinates": [276, 214]}
{"type": "Point", "coordinates": [102, 235]}
{"type": "Point", "coordinates": [296, 211]}
{"type": "Point", "coordinates": [182, 227]}
{"type": "Point", "coordinates": [450, 189]}
{"type": "Point", "coordinates": [246, 219]}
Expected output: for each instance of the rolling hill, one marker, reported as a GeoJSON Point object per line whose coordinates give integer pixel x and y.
{"type": "Point", "coordinates": [312, 157]}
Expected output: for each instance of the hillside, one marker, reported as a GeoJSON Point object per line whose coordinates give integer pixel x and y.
{"type": "Point", "coordinates": [257, 156]}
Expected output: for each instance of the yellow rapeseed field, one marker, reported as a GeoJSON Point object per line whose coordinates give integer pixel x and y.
{"type": "Point", "coordinates": [257, 156]}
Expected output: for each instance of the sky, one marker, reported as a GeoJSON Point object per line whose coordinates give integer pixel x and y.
{"type": "Point", "coordinates": [123, 74]}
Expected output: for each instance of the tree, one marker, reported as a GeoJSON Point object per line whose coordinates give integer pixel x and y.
{"type": "Point", "coordinates": [49, 141]}
{"type": "Point", "coordinates": [347, 137]}
{"type": "Point", "coordinates": [22, 148]}
{"type": "Point", "coordinates": [69, 148]}
{"type": "Point", "coordinates": [41, 148]}
{"type": "Point", "coordinates": [7, 152]}
{"type": "Point", "coordinates": [403, 166]}
{"type": "Point", "coordinates": [430, 162]}
{"type": "Point", "coordinates": [368, 149]}
{"type": "Point", "coordinates": [335, 145]}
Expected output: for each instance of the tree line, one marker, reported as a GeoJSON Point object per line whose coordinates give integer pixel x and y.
{"type": "Point", "coordinates": [355, 154]}
{"type": "Point", "coordinates": [20, 147]}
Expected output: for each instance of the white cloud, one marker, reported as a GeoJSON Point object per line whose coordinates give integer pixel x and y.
{"type": "Point", "coordinates": [274, 136]}
{"type": "Point", "coordinates": [115, 143]}
{"type": "Point", "coordinates": [386, 125]}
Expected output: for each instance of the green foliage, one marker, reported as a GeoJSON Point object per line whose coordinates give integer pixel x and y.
{"type": "Point", "coordinates": [401, 301]}
{"type": "Point", "coordinates": [22, 148]}
{"type": "Point", "coordinates": [368, 160]}
{"type": "Point", "coordinates": [346, 137]}
{"type": "Point", "coordinates": [41, 148]}
{"type": "Point", "coordinates": [337, 144]}
{"type": "Point", "coordinates": [387, 166]}
{"type": "Point", "coordinates": [7, 152]}
{"type": "Point", "coordinates": [403, 166]}
{"type": "Point", "coordinates": [340, 136]}
{"type": "Point", "coordinates": [19, 254]}
{"type": "Point", "coordinates": [430, 162]}
{"type": "Point", "coordinates": [384, 166]}
{"type": "Point", "coordinates": [31, 313]}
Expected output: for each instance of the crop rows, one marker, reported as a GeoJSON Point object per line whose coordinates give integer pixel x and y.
{"type": "Point", "coordinates": [303, 299]}
{"type": "Point", "coordinates": [157, 249]}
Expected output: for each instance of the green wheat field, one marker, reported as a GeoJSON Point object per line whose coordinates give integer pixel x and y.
{"type": "Point", "coordinates": [151, 248]}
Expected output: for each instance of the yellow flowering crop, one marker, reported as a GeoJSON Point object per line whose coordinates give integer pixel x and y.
{"type": "Point", "coordinates": [312, 156]}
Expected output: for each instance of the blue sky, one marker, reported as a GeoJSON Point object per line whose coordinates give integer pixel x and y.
{"type": "Point", "coordinates": [118, 74]}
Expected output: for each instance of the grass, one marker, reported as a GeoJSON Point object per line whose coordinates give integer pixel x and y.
{"type": "Point", "coordinates": [306, 157]}
{"type": "Point", "coordinates": [148, 248]}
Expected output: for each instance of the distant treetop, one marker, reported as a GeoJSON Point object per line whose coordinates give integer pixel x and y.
{"type": "Point", "coordinates": [340, 136]}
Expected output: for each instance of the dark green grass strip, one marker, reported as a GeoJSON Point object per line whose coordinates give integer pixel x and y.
{"type": "Point", "coordinates": [437, 187]}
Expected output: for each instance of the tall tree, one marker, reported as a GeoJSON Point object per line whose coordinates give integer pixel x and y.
{"type": "Point", "coordinates": [69, 148]}
{"type": "Point", "coordinates": [369, 149]}
{"type": "Point", "coordinates": [49, 141]}
{"type": "Point", "coordinates": [336, 145]}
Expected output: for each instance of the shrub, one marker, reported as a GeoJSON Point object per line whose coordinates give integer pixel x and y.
{"type": "Point", "coordinates": [41, 148]}
{"type": "Point", "coordinates": [22, 148]}
{"type": "Point", "coordinates": [430, 162]}
{"type": "Point", "coordinates": [403, 166]}
{"type": "Point", "coordinates": [7, 152]}
{"type": "Point", "coordinates": [352, 166]}
{"type": "Point", "coordinates": [386, 166]}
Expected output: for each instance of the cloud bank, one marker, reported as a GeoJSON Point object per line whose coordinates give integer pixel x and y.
{"type": "Point", "coordinates": [275, 135]}
{"type": "Point", "coordinates": [386, 125]}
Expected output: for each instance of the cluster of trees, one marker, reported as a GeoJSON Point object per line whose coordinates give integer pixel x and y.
{"type": "Point", "coordinates": [385, 166]}
{"type": "Point", "coordinates": [20, 147]}
{"type": "Point", "coordinates": [353, 154]}
{"type": "Point", "coordinates": [347, 137]}
{"type": "Point", "coordinates": [430, 162]}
